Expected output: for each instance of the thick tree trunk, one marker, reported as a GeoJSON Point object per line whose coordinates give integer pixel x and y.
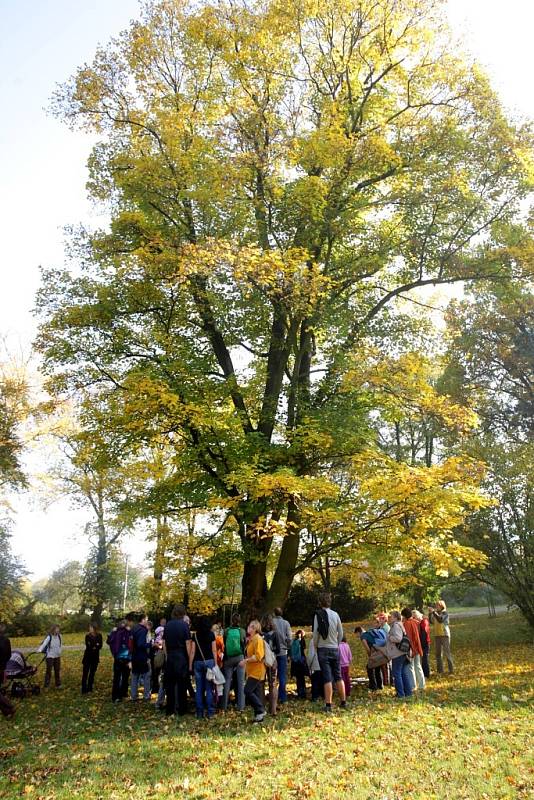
{"type": "Point", "coordinates": [101, 567]}
{"type": "Point", "coordinates": [253, 588]}
{"type": "Point", "coordinates": [287, 562]}
{"type": "Point", "coordinates": [419, 596]}
{"type": "Point", "coordinates": [159, 562]}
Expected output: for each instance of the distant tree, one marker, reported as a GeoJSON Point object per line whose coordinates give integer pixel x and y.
{"type": "Point", "coordinates": [492, 359]}
{"type": "Point", "coordinates": [61, 591]}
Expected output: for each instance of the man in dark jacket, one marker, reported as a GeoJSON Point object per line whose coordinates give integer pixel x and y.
{"type": "Point", "coordinates": [6, 706]}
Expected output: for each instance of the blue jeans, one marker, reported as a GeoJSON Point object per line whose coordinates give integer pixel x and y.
{"type": "Point", "coordinates": [204, 688]}
{"type": "Point", "coordinates": [282, 678]}
{"type": "Point", "coordinates": [402, 676]}
{"type": "Point", "coordinates": [141, 679]}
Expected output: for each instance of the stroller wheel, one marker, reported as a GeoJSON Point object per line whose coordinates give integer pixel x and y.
{"type": "Point", "coordinates": [36, 690]}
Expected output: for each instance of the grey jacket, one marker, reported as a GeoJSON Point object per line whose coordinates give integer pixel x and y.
{"type": "Point", "coordinates": [283, 629]}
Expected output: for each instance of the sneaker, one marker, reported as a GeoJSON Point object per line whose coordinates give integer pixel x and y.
{"type": "Point", "coordinates": [327, 709]}
{"type": "Point", "coordinates": [259, 717]}
{"type": "Point", "coordinates": [343, 704]}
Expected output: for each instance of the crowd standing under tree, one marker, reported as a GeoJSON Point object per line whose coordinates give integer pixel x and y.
{"type": "Point", "coordinates": [249, 661]}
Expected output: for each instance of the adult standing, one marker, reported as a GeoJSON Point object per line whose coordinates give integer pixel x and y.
{"type": "Point", "coordinates": [119, 641]}
{"type": "Point", "coordinates": [372, 641]}
{"type": "Point", "coordinates": [255, 670]}
{"type": "Point", "coordinates": [270, 635]}
{"type": "Point", "coordinates": [400, 666]}
{"type": "Point", "coordinates": [439, 617]}
{"type": "Point", "coordinates": [283, 629]}
{"type": "Point", "coordinates": [424, 635]}
{"type": "Point", "coordinates": [204, 657]}
{"type": "Point", "coordinates": [51, 646]}
{"type": "Point", "coordinates": [327, 636]}
{"type": "Point", "coordinates": [234, 652]}
{"type": "Point", "coordinates": [141, 646]}
{"type": "Point", "coordinates": [6, 706]}
{"type": "Point", "coordinates": [178, 649]}
{"type": "Point", "coordinates": [411, 626]}
{"type": "Point", "coordinates": [91, 657]}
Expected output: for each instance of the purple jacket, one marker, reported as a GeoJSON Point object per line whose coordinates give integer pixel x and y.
{"type": "Point", "coordinates": [118, 640]}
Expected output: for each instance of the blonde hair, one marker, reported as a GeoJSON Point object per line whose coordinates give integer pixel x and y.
{"type": "Point", "coordinates": [255, 623]}
{"type": "Point", "coordinates": [442, 605]}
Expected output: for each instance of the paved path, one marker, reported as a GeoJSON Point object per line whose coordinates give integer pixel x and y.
{"type": "Point", "coordinates": [477, 612]}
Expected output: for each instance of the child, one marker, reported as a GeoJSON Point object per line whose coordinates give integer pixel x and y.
{"type": "Point", "coordinates": [345, 658]}
{"type": "Point", "coordinates": [299, 666]}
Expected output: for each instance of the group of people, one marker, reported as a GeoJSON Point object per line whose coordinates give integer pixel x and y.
{"type": "Point", "coordinates": [253, 662]}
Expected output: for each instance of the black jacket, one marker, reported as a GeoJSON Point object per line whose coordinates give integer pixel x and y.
{"type": "Point", "coordinates": [5, 652]}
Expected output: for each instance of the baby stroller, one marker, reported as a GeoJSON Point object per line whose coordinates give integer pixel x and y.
{"type": "Point", "coordinates": [19, 674]}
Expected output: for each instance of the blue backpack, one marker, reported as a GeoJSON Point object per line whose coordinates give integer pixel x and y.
{"type": "Point", "coordinates": [379, 637]}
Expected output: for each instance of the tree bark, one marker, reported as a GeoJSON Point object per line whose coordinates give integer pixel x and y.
{"type": "Point", "coordinates": [287, 562]}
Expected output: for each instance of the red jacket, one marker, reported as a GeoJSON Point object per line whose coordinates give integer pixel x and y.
{"type": "Point", "coordinates": [424, 630]}
{"type": "Point", "coordinates": [411, 626]}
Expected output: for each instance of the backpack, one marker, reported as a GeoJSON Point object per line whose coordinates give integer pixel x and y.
{"type": "Point", "coordinates": [49, 642]}
{"type": "Point", "coordinates": [296, 651]}
{"type": "Point", "coordinates": [323, 623]}
{"type": "Point", "coordinates": [233, 644]}
{"type": "Point", "coordinates": [404, 645]}
{"type": "Point", "coordinates": [269, 659]}
{"type": "Point", "coordinates": [379, 637]}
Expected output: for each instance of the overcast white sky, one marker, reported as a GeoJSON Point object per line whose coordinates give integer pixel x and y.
{"type": "Point", "coordinates": [42, 173]}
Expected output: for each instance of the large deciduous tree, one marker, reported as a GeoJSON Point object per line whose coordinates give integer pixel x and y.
{"type": "Point", "coordinates": [278, 174]}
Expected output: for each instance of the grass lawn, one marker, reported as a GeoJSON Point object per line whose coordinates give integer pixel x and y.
{"type": "Point", "coordinates": [470, 737]}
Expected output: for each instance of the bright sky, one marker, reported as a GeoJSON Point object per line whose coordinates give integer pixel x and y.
{"type": "Point", "coordinates": [42, 172]}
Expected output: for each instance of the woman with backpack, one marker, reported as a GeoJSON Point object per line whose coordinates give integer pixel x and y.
{"type": "Point", "coordinates": [374, 642]}
{"type": "Point", "coordinates": [398, 649]}
{"type": "Point", "coordinates": [204, 658]}
{"type": "Point", "coordinates": [299, 666]}
{"type": "Point", "coordinates": [51, 646]}
{"type": "Point", "coordinates": [234, 651]}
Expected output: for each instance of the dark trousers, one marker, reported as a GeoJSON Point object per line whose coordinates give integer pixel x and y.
{"type": "Point", "coordinates": [6, 706]}
{"type": "Point", "coordinates": [375, 678]}
{"type": "Point", "coordinates": [88, 675]}
{"type": "Point", "coordinates": [298, 670]}
{"type": "Point", "coordinates": [254, 694]}
{"type": "Point", "coordinates": [281, 668]}
{"type": "Point", "coordinates": [317, 684]}
{"type": "Point", "coordinates": [425, 663]}
{"type": "Point", "coordinates": [55, 664]}
{"type": "Point", "coordinates": [176, 676]}
{"type": "Point", "coordinates": [121, 676]}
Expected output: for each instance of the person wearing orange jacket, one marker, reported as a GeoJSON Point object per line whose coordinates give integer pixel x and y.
{"type": "Point", "coordinates": [255, 670]}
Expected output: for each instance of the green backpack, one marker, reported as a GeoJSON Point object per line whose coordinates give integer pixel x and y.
{"type": "Point", "coordinates": [233, 643]}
